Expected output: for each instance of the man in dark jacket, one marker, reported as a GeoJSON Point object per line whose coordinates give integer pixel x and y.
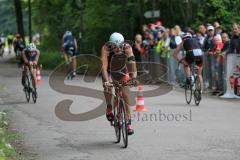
{"type": "Point", "coordinates": [235, 40]}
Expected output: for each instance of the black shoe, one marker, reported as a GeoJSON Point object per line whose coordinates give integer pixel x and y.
{"type": "Point", "coordinates": [109, 115]}
{"type": "Point", "coordinates": [220, 94]}
{"type": "Point", "coordinates": [130, 129]}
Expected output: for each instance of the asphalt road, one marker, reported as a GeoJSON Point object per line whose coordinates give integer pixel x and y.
{"type": "Point", "coordinates": [170, 130]}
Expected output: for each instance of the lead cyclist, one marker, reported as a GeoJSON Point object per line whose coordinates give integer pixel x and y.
{"type": "Point", "coordinates": [118, 63]}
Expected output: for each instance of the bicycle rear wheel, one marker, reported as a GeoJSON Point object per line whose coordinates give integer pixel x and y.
{"type": "Point", "coordinates": [188, 93]}
{"type": "Point", "coordinates": [124, 123]}
{"type": "Point", "coordinates": [197, 92]}
{"type": "Point", "coordinates": [27, 88]}
{"type": "Point", "coordinates": [117, 126]}
{"type": "Point", "coordinates": [34, 90]}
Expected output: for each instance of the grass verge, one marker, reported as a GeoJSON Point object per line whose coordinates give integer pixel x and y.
{"type": "Point", "coordinates": [7, 151]}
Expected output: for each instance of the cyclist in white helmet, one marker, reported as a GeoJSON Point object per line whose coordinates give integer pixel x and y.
{"type": "Point", "coordinates": [116, 55]}
{"type": "Point", "coordinates": [29, 55]}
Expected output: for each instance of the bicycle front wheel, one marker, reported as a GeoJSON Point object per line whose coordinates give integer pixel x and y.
{"type": "Point", "coordinates": [124, 123]}
{"type": "Point", "coordinates": [188, 93]}
{"type": "Point", "coordinates": [34, 90]}
{"type": "Point", "coordinates": [27, 89]}
{"type": "Point", "coordinates": [117, 125]}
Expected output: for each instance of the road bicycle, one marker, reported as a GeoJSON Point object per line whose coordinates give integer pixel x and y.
{"type": "Point", "coordinates": [193, 89]}
{"type": "Point", "coordinates": [30, 88]}
{"type": "Point", "coordinates": [120, 120]}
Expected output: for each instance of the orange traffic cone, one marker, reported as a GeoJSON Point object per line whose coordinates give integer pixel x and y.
{"type": "Point", "coordinates": [140, 101]}
{"type": "Point", "coordinates": [38, 76]}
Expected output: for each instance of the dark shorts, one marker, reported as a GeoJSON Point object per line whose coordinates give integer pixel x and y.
{"type": "Point", "coordinates": [190, 59]}
{"type": "Point", "coordinates": [70, 51]}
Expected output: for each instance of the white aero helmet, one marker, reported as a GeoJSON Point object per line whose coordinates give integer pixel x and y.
{"type": "Point", "coordinates": [116, 38]}
{"type": "Point", "coordinates": [68, 33]}
{"type": "Point", "coordinates": [32, 47]}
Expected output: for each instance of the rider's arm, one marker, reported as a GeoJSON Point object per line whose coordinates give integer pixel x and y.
{"type": "Point", "coordinates": [104, 58]}
{"type": "Point", "coordinates": [37, 56]}
{"type": "Point", "coordinates": [24, 57]}
{"type": "Point", "coordinates": [75, 43]}
{"type": "Point", "coordinates": [131, 62]}
{"type": "Point", "coordinates": [176, 52]}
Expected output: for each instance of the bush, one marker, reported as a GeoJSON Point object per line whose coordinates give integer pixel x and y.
{"type": "Point", "coordinates": [50, 59]}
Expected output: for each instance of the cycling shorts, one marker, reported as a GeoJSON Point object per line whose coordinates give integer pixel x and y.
{"type": "Point", "coordinates": [194, 58]}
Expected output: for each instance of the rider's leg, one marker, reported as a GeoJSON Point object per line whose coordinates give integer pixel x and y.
{"type": "Point", "coordinates": [66, 58]}
{"type": "Point", "coordinates": [108, 98]}
{"type": "Point", "coordinates": [200, 76]}
{"type": "Point", "coordinates": [74, 65]}
{"type": "Point", "coordinates": [126, 93]}
{"type": "Point", "coordinates": [187, 72]}
{"type": "Point", "coordinates": [24, 72]}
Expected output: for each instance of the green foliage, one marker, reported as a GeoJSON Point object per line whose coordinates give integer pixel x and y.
{"type": "Point", "coordinates": [225, 11]}
{"type": "Point", "coordinates": [98, 19]}
{"type": "Point", "coordinates": [6, 150]}
{"type": "Point", "coordinates": [50, 59]}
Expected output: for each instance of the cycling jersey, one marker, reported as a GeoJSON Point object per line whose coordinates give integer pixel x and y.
{"type": "Point", "coordinates": [117, 66]}
{"type": "Point", "coordinates": [193, 51]}
{"type": "Point", "coordinates": [69, 45]}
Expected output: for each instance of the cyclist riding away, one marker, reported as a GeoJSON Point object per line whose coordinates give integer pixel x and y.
{"type": "Point", "coordinates": [69, 47]}
{"type": "Point", "coordinates": [10, 43]}
{"type": "Point", "coordinates": [118, 63]}
{"type": "Point", "coordinates": [18, 45]}
{"type": "Point", "coordinates": [194, 54]}
{"type": "Point", "coordinates": [29, 55]}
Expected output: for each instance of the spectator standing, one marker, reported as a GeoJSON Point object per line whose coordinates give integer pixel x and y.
{"type": "Point", "coordinates": [217, 66]}
{"type": "Point", "coordinates": [201, 35]}
{"type": "Point", "coordinates": [218, 28]}
{"type": "Point", "coordinates": [235, 40]}
{"type": "Point", "coordinates": [225, 50]}
{"type": "Point", "coordinates": [138, 48]}
{"type": "Point", "coordinates": [174, 41]}
{"type": "Point", "coordinates": [226, 42]}
{"type": "Point", "coordinates": [208, 58]}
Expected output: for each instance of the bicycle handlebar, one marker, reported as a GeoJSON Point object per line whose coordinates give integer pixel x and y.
{"type": "Point", "coordinates": [130, 82]}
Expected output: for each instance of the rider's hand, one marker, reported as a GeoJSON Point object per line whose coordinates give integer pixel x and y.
{"type": "Point", "coordinates": [108, 84]}
{"type": "Point", "coordinates": [26, 62]}
{"type": "Point", "coordinates": [34, 62]}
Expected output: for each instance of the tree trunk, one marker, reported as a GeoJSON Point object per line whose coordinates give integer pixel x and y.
{"type": "Point", "coordinates": [30, 20]}
{"type": "Point", "coordinates": [19, 18]}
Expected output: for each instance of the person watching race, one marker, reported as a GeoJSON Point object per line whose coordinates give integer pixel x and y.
{"type": "Point", "coordinates": [194, 54]}
{"type": "Point", "coordinates": [29, 55]}
{"type": "Point", "coordinates": [69, 47]}
{"type": "Point", "coordinates": [118, 63]}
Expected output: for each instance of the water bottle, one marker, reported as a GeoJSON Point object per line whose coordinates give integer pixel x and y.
{"type": "Point", "coordinates": [192, 77]}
